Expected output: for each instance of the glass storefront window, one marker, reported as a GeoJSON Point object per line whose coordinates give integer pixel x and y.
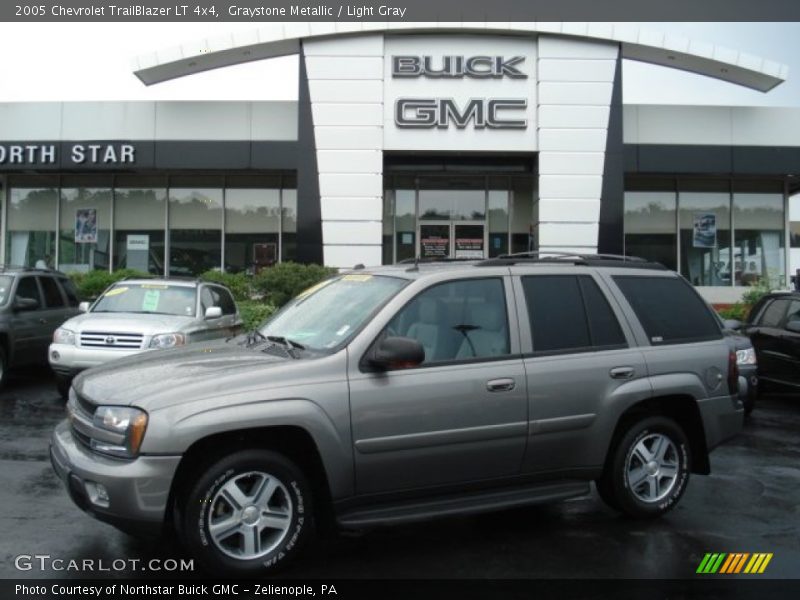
{"type": "Point", "coordinates": [405, 224]}
{"type": "Point", "coordinates": [794, 236]}
{"type": "Point", "coordinates": [452, 198]}
{"type": "Point", "coordinates": [31, 233]}
{"type": "Point", "coordinates": [497, 216]}
{"type": "Point", "coordinates": [195, 227]}
{"type": "Point", "coordinates": [252, 225]}
{"type": "Point", "coordinates": [289, 224]}
{"type": "Point", "coordinates": [84, 243]}
{"type": "Point", "coordinates": [758, 223]}
{"type": "Point", "coordinates": [705, 231]}
{"type": "Point", "coordinates": [650, 220]}
{"type": "Point", "coordinates": [139, 219]}
{"type": "Point", "coordinates": [523, 219]}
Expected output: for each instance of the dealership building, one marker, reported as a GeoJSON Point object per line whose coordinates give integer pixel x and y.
{"type": "Point", "coordinates": [463, 140]}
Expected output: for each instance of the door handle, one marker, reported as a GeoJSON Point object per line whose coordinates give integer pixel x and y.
{"type": "Point", "coordinates": [43, 321]}
{"type": "Point", "coordinates": [621, 372]}
{"type": "Point", "coordinates": [501, 385]}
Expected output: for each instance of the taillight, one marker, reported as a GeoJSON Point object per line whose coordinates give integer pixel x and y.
{"type": "Point", "coordinates": [733, 374]}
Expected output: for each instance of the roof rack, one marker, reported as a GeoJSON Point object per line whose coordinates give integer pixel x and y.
{"type": "Point", "coordinates": [575, 258]}
{"type": "Point", "coordinates": [4, 268]}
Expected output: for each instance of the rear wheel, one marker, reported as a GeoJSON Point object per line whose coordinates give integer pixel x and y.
{"type": "Point", "coordinates": [248, 513]}
{"type": "Point", "coordinates": [648, 468]}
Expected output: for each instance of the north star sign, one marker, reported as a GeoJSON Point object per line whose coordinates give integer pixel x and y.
{"type": "Point", "coordinates": [77, 154]}
{"type": "Point", "coordinates": [483, 113]}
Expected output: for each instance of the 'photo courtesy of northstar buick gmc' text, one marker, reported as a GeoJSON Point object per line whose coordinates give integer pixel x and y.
{"type": "Point", "coordinates": [394, 394]}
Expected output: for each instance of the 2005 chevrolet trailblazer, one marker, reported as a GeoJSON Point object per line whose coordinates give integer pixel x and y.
{"type": "Point", "coordinates": [407, 392]}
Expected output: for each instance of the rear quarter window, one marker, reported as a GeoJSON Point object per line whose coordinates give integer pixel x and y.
{"type": "Point", "coordinates": [669, 309]}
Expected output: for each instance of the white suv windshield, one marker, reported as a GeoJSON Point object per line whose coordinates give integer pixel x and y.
{"type": "Point", "coordinates": [5, 288]}
{"type": "Point", "coordinates": [328, 314]}
{"type": "Point", "coordinates": [149, 298]}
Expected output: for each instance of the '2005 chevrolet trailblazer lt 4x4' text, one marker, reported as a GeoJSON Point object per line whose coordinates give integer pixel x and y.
{"type": "Point", "coordinates": [407, 392]}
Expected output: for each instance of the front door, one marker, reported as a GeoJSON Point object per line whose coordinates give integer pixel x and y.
{"type": "Point", "coordinates": [459, 417]}
{"type": "Point", "coordinates": [446, 239]}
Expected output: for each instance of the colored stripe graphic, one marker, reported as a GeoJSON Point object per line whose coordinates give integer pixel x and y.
{"type": "Point", "coordinates": [730, 564]}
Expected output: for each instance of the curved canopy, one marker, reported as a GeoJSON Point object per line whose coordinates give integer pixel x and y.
{"type": "Point", "coordinates": [637, 44]}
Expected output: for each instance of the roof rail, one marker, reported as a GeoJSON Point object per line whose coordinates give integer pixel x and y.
{"type": "Point", "coordinates": [575, 258]}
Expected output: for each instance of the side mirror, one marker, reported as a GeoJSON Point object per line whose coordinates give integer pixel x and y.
{"type": "Point", "coordinates": [793, 326]}
{"type": "Point", "coordinates": [733, 324]}
{"type": "Point", "coordinates": [22, 304]}
{"type": "Point", "coordinates": [213, 312]}
{"type": "Point", "coordinates": [83, 307]}
{"type": "Point", "coordinates": [397, 353]}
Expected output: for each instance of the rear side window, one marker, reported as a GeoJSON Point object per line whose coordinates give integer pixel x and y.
{"type": "Point", "coordinates": [772, 315]}
{"type": "Point", "coordinates": [569, 313]}
{"type": "Point", "coordinates": [52, 295]}
{"type": "Point", "coordinates": [27, 288]}
{"type": "Point", "coordinates": [670, 311]}
{"type": "Point", "coordinates": [70, 291]}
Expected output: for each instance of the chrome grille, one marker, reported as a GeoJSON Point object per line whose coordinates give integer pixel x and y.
{"type": "Point", "coordinates": [110, 339]}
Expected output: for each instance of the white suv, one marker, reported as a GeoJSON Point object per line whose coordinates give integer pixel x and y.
{"type": "Point", "coordinates": [137, 315]}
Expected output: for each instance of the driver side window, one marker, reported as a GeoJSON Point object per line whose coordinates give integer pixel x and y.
{"type": "Point", "coordinates": [457, 320]}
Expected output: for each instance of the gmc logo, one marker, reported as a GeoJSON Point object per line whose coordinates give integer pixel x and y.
{"type": "Point", "coordinates": [427, 113]}
{"type": "Point", "coordinates": [456, 67]}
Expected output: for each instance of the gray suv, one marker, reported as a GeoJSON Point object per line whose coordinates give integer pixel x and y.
{"type": "Point", "coordinates": [33, 303]}
{"type": "Point", "coordinates": [407, 392]}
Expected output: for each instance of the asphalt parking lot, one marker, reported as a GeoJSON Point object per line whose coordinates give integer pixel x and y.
{"type": "Point", "coordinates": [750, 503]}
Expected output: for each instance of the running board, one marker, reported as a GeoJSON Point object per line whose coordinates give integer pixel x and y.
{"type": "Point", "coordinates": [461, 504]}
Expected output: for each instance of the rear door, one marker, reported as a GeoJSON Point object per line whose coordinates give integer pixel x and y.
{"type": "Point", "coordinates": [789, 346]}
{"type": "Point", "coordinates": [765, 333]}
{"type": "Point", "coordinates": [580, 362]}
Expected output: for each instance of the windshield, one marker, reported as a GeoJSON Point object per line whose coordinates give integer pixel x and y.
{"type": "Point", "coordinates": [5, 288]}
{"type": "Point", "coordinates": [329, 313]}
{"type": "Point", "coordinates": [154, 298]}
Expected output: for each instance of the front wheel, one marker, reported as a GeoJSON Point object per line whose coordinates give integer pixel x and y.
{"type": "Point", "coordinates": [63, 383]}
{"type": "Point", "coordinates": [648, 468]}
{"type": "Point", "coordinates": [247, 513]}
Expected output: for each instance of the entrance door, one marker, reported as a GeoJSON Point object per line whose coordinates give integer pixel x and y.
{"type": "Point", "coordinates": [445, 239]}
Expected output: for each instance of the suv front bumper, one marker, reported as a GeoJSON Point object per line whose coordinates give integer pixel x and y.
{"type": "Point", "coordinates": [71, 360]}
{"type": "Point", "coordinates": [138, 490]}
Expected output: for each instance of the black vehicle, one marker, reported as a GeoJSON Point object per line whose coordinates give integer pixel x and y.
{"type": "Point", "coordinates": [33, 303]}
{"type": "Point", "coordinates": [747, 362]}
{"type": "Point", "coordinates": [773, 327]}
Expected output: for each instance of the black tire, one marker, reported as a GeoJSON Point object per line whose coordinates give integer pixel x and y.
{"type": "Point", "coordinates": [63, 383]}
{"type": "Point", "coordinates": [647, 499]}
{"type": "Point", "coordinates": [204, 502]}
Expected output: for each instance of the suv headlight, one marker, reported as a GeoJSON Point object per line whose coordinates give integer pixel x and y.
{"type": "Point", "coordinates": [167, 340]}
{"type": "Point", "coordinates": [64, 336]}
{"type": "Point", "coordinates": [128, 422]}
{"type": "Point", "coordinates": [746, 357]}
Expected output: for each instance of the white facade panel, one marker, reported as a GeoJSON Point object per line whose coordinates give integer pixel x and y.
{"type": "Point", "coordinates": [346, 257]}
{"type": "Point", "coordinates": [202, 121]}
{"type": "Point", "coordinates": [108, 120]}
{"type": "Point", "coordinates": [573, 140]}
{"type": "Point", "coordinates": [355, 91]}
{"type": "Point", "coordinates": [751, 126]}
{"type": "Point", "coordinates": [350, 161]}
{"type": "Point", "coordinates": [561, 47]}
{"type": "Point", "coordinates": [569, 210]}
{"type": "Point", "coordinates": [351, 209]}
{"type": "Point", "coordinates": [330, 137]}
{"type": "Point", "coordinates": [26, 121]}
{"type": "Point", "coordinates": [274, 121]}
{"type": "Point", "coordinates": [567, 234]}
{"type": "Point", "coordinates": [347, 114]}
{"type": "Point", "coordinates": [583, 93]}
{"type": "Point", "coordinates": [570, 186]}
{"type": "Point", "coordinates": [571, 163]}
{"type": "Point", "coordinates": [350, 184]}
{"type": "Point", "coordinates": [351, 232]}
{"type": "Point", "coordinates": [571, 69]}
{"type": "Point", "coordinates": [360, 45]}
{"type": "Point", "coordinates": [471, 95]}
{"type": "Point", "coordinates": [353, 67]}
{"type": "Point", "coordinates": [684, 125]}
{"type": "Point", "coordinates": [578, 117]}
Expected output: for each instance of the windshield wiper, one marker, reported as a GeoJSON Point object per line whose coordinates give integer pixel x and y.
{"type": "Point", "coordinates": [253, 337]}
{"type": "Point", "coordinates": [285, 341]}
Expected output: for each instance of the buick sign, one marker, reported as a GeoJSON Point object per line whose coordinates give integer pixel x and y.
{"type": "Point", "coordinates": [440, 113]}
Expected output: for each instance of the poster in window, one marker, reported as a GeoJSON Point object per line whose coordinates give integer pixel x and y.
{"type": "Point", "coordinates": [705, 230]}
{"type": "Point", "coordinates": [265, 255]}
{"type": "Point", "coordinates": [86, 226]}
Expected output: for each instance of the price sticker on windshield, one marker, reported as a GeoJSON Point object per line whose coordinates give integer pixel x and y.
{"type": "Point", "coordinates": [154, 286]}
{"type": "Point", "coordinates": [356, 277]}
{"type": "Point", "coordinates": [150, 300]}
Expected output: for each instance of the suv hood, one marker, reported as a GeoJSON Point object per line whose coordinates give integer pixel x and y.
{"type": "Point", "coordinates": [164, 378]}
{"type": "Point", "coordinates": [146, 324]}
